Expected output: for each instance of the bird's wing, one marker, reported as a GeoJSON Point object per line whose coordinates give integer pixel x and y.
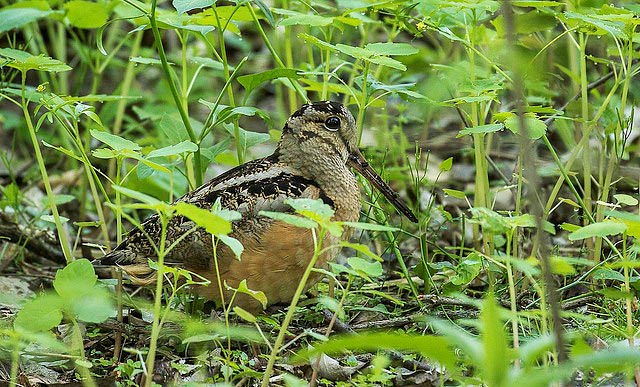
{"type": "Point", "coordinates": [259, 185]}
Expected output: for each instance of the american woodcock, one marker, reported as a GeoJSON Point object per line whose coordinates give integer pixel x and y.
{"type": "Point", "coordinates": [312, 160]}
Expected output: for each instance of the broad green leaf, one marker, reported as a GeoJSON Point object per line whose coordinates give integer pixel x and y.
{"type": "Point", "coordinates": [86, 14]}
{"type": "Point", "coordinates": [78, 277]}
{"type": "Point", "coordinates": [94, 306]}
{"type": "Point", "coordinates": [174, 150]}
{"type": "Point", "coordinates": [139, 196]}
{"type": "Point", "coordinates": [173, 127]}
{"type": "Point", "coordinates": [370, 226]}
{"type": "Point", "coordinates": [490, 220]}
{"type": "Point", "coordinates": [209, 63]}
{"type": "Point", "coordinates": [370, 56]}
{"type": "Point", "coordinates": [24, 61]}
{"type": "Point", "coordinates": [535, 127]}
{"type": "Point", "coordinates": [600, 229]}
{"type": "Point", "coordinates": [433, 347]}
{"type": "Point", "coordinates": [454, 193]}
{"type": "Point", "coordinates": [183, 6]}
{"type": "Point", "coordinates": [361, 248]}
{"type": "Point", "coordinates": [607, 275]}
{"type": "Point", "coordinates": [115, 142]}
{"type": "Point", "coordinates": [391, 48]}
{"type": "Point", "coordinates": [17, 17]}
{"type": "Point", "coordinates": [306, 20]}
{"type": "Point", "coordinates": [495, 359]}
{"type": "Point", "coordinates": [294, 220]}
{"type": "Point", "coordinates": [213, 223]}
{"type": "Point", "coordinates": [481, 129]}
{"type": "Point", "coordinates": [255, 294]}
{"type": "Point", "coordinates": [536, 3]}
{"type": "Point", "coordinates": [445, 165]}
{"type": "Point", "coordinates": [39, 314]}
{"type": "Point", "coordinates": [626, 200]}
{"type": "Point", "coordinates": [233, 244]}
{"type": "Point", "coordinates": [315, 206]}
{"type": "Point", "coordinates": [252, 81]}
{"type": "Point", "coordinates": [631, 220]}
{"type": "Point", "coordinates": [369, 268]}
{"type": "Point", "coordinates": [467, 269]}
{"type": "Point", "coordinates": [243, 314]}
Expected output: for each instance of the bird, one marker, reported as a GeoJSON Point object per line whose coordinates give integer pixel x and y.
{"type": "Point", "coordinates": [313, 159]}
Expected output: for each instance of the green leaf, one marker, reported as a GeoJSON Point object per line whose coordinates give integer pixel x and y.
{"type": "Point", "coordinates": [490, 221]}
{"type": "Point", "coordinates": [13, 18]}
{"type": "Point", "coordinates": [433, 347]}
{"type": "Point", "coordinates": [370, 56]}
{"type": "Point", "coordinates": [626, 200]}
{"type": "Point", "coordinates": [294, 220]}
{"type": "Point", "coordinates": [213, 223]}
{"type": "Point", "coordinates": [139, 196]}
{"type": "Point", "coordinates": [233, 244]}
{"type": "Point", "coordinates": [454, 193]}
{"type": "Point", "coordinates": [391, 48]}
{"type": "Point", "coordinates": [445, 165]}
{"type": "Point", "coordinates": [24, 61]}
{"type": "Point", "coordinates": [363, 266]}
{"type": "Point", "coordinates": [266, 11]}
{"type": "Point", "coordinates": [306, 20]}
{"type": "Point", "coordinates": [361, 248]}
{"type": "Point", "coordinates": [252, 81]}
{"type": "Point", "coordinates": [78, 277]}
{"type": "Point", "coordinates": [600, 229]}
{"type": "Point", "coordinates": [183, 6]}
{"type": "Point", "coordinates": [174, 150]}
{"type": "Point", "coordinates": [243, 314]}
{"type": "Point", "coordinates": [481, 129]}
{"type": "Point", "coordinates": [495, 358]}
{"type": "Point", "coordinates": [370, 226]}
{"type": "Point", "coordinates": [93, 306]}
{"type": "Point", "coordinates": [115, 142]}
{"type": "Point", "coordinates": [39, 314]}
{"type": "Point", "coordinates": [255, 294]}
{"type": "Point", "coordinates": [535, 127]}
{"type": "Point", "coordinates": [468, 269]}
{"type": "Point", "coordinates": [173, 127]}
{"type": "Point", "coordinates": [86, 14]}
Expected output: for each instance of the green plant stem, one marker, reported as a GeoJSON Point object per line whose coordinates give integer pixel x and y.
{"type": "Point", "coordinates": [275, 55]}
{"type": "Point", "coordinates": [288, 57]}
{"type": "Point", "coordinates": [294, 302]}
{"type": "Point", "coordinates": [586, 152]}
{"type": "Point", "coordinates": [364, 98]}
{"type": "Point", "coordinates": [15, 361]}
{"type": "Point", "coordinates": [512, 294]}
{"type": "Point", "coordinates": [614, 154]}
{"type": "Point", "coordinates": [197, 157]}
{"type": "Point", "coordinates": [125, 88]}
{"type": "Point", "coordinates": [240, 148]}
{"type": "Point", "coordinates": [157, 305]}
{"type": "Point", "coordinates": [64, 243]}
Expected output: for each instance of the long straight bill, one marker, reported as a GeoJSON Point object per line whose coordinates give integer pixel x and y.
{"type": "Point", "coordinates": [358, 162]}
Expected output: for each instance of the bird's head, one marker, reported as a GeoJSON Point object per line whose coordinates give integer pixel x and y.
{"type": "Point", "coordinates": [326, 131]}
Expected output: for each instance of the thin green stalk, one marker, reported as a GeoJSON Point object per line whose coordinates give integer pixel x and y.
{"type": "Point", "coordinates": [157, 305]}
{"type": "Point", "coordinates": [125, 88]}
{"type": "Point", "coordinates": [45, 177]}
{"type": "Point", "coordinates": [240, 148]}
{"type": "Point", "coordinates": [15, 361]}
{"type": "Point", "coordinates": [197, 157]}
{"type": "Point", "coordinates": [586, 165]}
{"type": "Point", "coordinates": [288, 57]}
{"type": "Point", "coordinates": [275, 55]}
{"type": "Point", "coordinates": [613, 153]}
{"type": "Point", "coordinates": [364, 97]}
{"type": "Point", "coordinates": [294, 302]}
{"type": "Point", "coordinates": [512, 295]}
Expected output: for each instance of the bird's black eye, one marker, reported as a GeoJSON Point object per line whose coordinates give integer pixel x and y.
{"type": "Point", "coordinates": [332, 123]}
